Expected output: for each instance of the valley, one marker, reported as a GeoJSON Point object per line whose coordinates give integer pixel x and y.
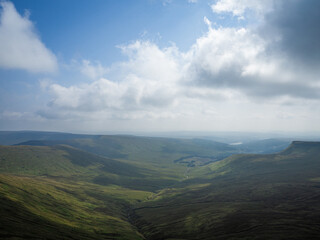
{"type": "Point", "coordinates": [159, 120]}
{"type": "Point", "coordinates": [128, 187]}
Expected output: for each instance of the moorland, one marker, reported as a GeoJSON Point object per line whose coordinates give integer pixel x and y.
{"type": "Point", "coordinates": [73, 186]}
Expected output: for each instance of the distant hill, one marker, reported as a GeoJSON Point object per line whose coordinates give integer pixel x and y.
{"type": "Point", "coordinates": [15, 137]}
{"type": "Point", "coordinates": [152, 150]}
{"type": "Point", "coordinates": [303, 147]}
{"type": "Point", "coordinates": [122, 146]}
{"type": "Point", "coordinates": [166, 159]}
{"type": "Point", "coordinates": [264, 146]}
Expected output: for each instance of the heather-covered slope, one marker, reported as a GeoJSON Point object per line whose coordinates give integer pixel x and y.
{"type": "Point", "coordinates": [274, 196]}
{"type": "Point", "coordinates": [159, 189]}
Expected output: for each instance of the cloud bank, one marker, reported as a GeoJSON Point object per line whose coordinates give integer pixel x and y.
{"type": "Point", "coordinates": [257, 73]}
{"type": "Point", "coordinates": [20, 46]}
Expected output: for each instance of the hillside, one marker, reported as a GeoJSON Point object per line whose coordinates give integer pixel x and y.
{"type": "Point", "coordinates": [152, 150]}
{"type": "Point", "coordinates": [15, 137]}
{"type": "Point", "coordinates": [50, 192]}
{"type": "Point", "coordinates": [272, 196]}
{"type": "Point", "coordinates": [264, 146]}
{"type": "Point", "coordinates": [160, 189]}
{"type": "Point", "coordinates": [74, 164]}
{"type": "Point", "coordinates": [168, 159]}
{"type": "Point", "coordinates": [59, 160]}
{"type": "Point", "coordinates": [46, 208]}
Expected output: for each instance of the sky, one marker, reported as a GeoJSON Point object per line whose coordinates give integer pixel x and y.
{"type": "Point", "coordinates": [160, 65]}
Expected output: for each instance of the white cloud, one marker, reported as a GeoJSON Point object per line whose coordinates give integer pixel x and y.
{"type": "Point", "coordinates": [208, 22]}
{"type": "Point", "coordinates": [225, 50]}
{"type": "Point", "coordinates": [239, 7]}
{"type": "Point", "coordinates": [93, 71]}
{"type": "Point", "coordinates": [21, 116]}
{"type": "Point", "coordinates": [240, 59]}
{"type": "Point", "coordinates": [20, 46]}
{"type": "Point", "coordinates": [166, 2]}
{"type": "Point", "coordinates": [45, 83]}
{"type": "Point", "coordinates": [11, 115]}
{"type": "Point", "coordinates": [224, 66]}
{"type": "Point", "coordinates": [147, 81]}
{"type": "Point", "coordinates": [149, 62]}
{"type": "Point", "coordinates": [229, 77]}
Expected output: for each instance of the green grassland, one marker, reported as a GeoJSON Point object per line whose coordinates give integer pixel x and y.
{"type": "Point", "coordinates": [146, 150]}
{"type": "Point", "coordinates": [272, 196]}
{"type": "Point", "coordinates": [126, 187]}
{"type": "Point", "coordinates": [68, 162]}
{"type": "Point", "coordinates": [160, 156]}
{"type": "Point", "coordinates": [50, 192]}
{"type": "Point", "coordinates": [43, 208]}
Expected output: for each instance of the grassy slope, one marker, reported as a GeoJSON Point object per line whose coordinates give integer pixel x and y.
{"type": "Point", "coordinates": [55, 186]}
{"type": "Point", "coordinates": [73, 163]}
{"type": "Point", "coordinates": [43, 208]}
{"type": "Point", "coordinates": [38, 161]}
{"type": "Point", "coordinates": [52, 192]}
{"type": "Point", "coordinates": [73, 193]}
{"type": "Point", "coordinates": [48, 192]}
{"type": "Point", "coordinates": [152, 150]}
{"type": "Point", "coordinates": [242, 197]}
{"type": "Point", "coordinates": [158, 155]}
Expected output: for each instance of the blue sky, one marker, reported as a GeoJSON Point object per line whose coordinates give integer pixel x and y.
{"type": "Point", "coordinates": [220, 65]}
{"type": "Point", "coordinates": [93, 29]}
